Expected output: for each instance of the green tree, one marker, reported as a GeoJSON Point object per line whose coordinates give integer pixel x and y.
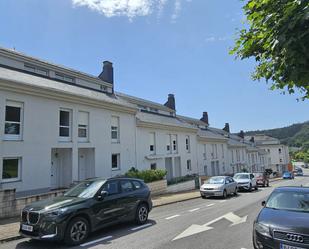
{"type": "Point", "coordinates": [277, 36]}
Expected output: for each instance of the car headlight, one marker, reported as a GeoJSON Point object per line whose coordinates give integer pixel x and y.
{"type": "Point", "coordinates": [262, 229]}
{"type": "Point", "coordinates": [56, 212]}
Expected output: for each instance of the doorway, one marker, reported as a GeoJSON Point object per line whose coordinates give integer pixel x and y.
{"type": "Point", "coordinates": [85, 163]}
{"type": "Point", "coordinates": [61, 168]}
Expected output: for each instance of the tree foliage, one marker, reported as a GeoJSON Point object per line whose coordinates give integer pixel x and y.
{"type": "Point", "coordinates": [277, 37]}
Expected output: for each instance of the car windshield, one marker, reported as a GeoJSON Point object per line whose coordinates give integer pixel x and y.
{"type": "Point", "coordinates": [241, 176]}
{"type": "Point", "coordinates": [286, 173]}
{"type": "Point", "coordinates": [85, 189]}
{"type": "Point", "coordinates": [216, 180]}
{"type": "Point", "coordinates": [289, 200]}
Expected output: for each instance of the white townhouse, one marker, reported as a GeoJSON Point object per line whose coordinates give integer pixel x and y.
{"type": "Point", "coordinates": [58, 125]}
{"type": "Point", "coordinates": [278, 158]}
{"type": "Point", "coordinates": [212, 152]}
{"type": "Point", "coordinates": [163, 140]}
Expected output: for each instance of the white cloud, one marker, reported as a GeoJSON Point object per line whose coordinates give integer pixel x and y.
{"type": "Point", "coordinates": [213, 38]}
{"type": "Point", "coordinates": [177, 9]}
{"type": "Point", "coordinates": [129, 8]}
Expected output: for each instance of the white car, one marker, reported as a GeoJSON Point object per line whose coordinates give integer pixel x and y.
{"type": "Point", "coordinates": [246, 181]}
{"type": "Point", "coordinates": [219, 186]}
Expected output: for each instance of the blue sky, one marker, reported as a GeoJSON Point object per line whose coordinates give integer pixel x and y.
{"type": "Point", "coordinates": [157, 47]}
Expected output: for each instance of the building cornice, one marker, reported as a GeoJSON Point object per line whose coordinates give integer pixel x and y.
{"type": "Point", "coordinates": [209, 139]}
{"type": "Point", "coordinates": [169, 127]}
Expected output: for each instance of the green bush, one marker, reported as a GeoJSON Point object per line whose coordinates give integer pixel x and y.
{"type": "Point", "coordinates": [149, 175]}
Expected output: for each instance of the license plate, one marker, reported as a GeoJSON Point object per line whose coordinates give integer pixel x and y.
{"type": "Point", "coordinates": [218, 194]}
{"type": "Point", "coordinates": [27, 228]}
{"type": "Point", "coordinates": [283, 246]}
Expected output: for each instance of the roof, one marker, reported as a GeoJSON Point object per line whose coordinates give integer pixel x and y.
{"type": "Point", "coordinates": [233, 142]}
{"type": "Point", "coordinates": [24, 56]}
{"type": "Point", "coordinates": [141, 101]}
{"type": "Point", "coordinates": [210, 135]}
{"type": "Point", "coordinates": [59, 87]}
{"type": "Point", "coordinates": [193, 121]}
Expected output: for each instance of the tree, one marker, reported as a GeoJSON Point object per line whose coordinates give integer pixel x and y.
{"type": "Point", "coordinates": [278, 38]}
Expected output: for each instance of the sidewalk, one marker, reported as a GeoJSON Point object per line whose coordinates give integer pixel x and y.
{"type": "Point", "coordinates": [9, 227]}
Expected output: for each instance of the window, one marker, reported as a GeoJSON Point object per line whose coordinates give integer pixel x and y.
{"type": "Point", "coordinates": [205, 170]}
{"type": "Point", "coordinates": [279, 150]}
{"type": "Point", "coordinates": [153, 166]}
{"type": "Point", "coordinates": [214, 151]}
{"type": "Point", "coordinates": [237, 155]}
{"type": "Point", "coordinates": [223, 167]}
{"type": "Point", "coordinates": [115, 129]}
{"type": "Point", "coordinates": [232, 152]}
{"type": "Point", "coordinates": [205, 152]}
{"type": "Point", "coordinates": [153, 110]}
{"type": "Point", "coordinates": [188, 143]}
{"type": "Point", "coordinates": [83, 126]}
{"type": "Point", "coordinates": [60, 76]}
{"type": "Point", "coordinates": [189, 165]}
{"type": "Point", "coordinates": [34, 69]}
{"type": "Point", "coordinates": [11, 169]}
{"type": "Point", "coordinates": [174, 143]}
{"type": "Point", "coordinates": [13, 120]}
{"type": "Point", "coordinates": [111, 188]}
{"type": "Point", "coordinates": [222, 149]}
{"type": "Point", "coordinates": [168, 143]}
{"type": "Point", "coordinates": [243, 155]}
{"type": "Point", "coordinates": [137, 184]}
{"type": "Point", "coordinates": [126, 186]}
{"type": "Point", "coordinates": [115, 161]}
{"type": "Point", "coordinates": [152, 142]}
{"type": "Point", "coordinates": [65, 117]}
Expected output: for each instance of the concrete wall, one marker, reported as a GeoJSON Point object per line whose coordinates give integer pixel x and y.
{"type": "Point", "coordinates": [157, 187]}
{"type": "Point", "coordinates": [10, 206]}
{"type": "Point", "coordinates": [183, 186]}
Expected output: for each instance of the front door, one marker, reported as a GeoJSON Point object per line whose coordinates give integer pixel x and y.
{"type": "Point", "coordinates": [82, 170]}
{"type": "Point", "coordinates": [54, 170]}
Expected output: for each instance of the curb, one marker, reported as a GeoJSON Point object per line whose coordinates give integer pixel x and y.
{"type": "Point", "coordinates": [10, 239]}
{"type": "Point", "coordinates": [171, 202]}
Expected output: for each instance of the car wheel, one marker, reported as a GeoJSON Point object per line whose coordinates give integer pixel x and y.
{"type": "Point", "coordinates": [141, 214]}
{"type": "Point", "coordinates": [77, 231]}
{"type": "Point", "coordinates": [236, 191]}
{"type": "Point", "coordinates": [224, 194]}
{"type": "Point", "coordinates": [256, 187]}
{"type": "Point", "coordinates": [203, 196]}
{"type": "Point", "coordinates": [267, 184]}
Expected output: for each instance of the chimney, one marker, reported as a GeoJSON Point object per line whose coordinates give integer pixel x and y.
{"type": "Point", "coordinates": [171, 102]}
{"type": "Point", "coordinates": [241, 134]}
{"type": "Point", "coordinates": [227, 127]}
{"type": "Point", "coordinates": [107, 74]}
{"type": "Point", "coordinates": [205, 118]}
{"type": "Point", "coordinates": [252, 139]}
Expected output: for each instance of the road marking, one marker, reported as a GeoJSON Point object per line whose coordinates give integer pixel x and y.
{"type": "Point", "coordinates": [140, 227]}
{"type": "Point", "coordinates": [222, 201]}
{"type": "Point", "coordinates": [193, 210]}
{"type": "Point", "coordinates": [172, 217]}
{"type": "Point", "coordinates": [211, 204]}
{"type": "Point", "coordinates": [194, 229]}
{"type": "Point", "coordinates": [96, 241]}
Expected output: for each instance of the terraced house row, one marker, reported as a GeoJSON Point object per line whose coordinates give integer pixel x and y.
{"type": "Point", "coordinates": [59, 125]}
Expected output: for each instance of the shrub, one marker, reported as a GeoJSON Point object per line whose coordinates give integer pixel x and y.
{"type": "Point", "coordinates": [149, 175]}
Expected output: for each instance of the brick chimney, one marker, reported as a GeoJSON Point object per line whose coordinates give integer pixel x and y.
{"type": "Point", "coordinates": [107, 74]}
{"type": "Point", "coordinates": [227, 127]}
{"type": "Point", "coordinates": [241, 134]}
{"type": "Point", "coordinates": [205, 118]}
{"type": "Point", "coordinates": [252, 139]}
{"type": "Point", "coordinates": [171, 102]}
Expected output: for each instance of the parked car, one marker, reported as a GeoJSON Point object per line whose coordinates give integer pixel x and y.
{"type": "Point", "coordinates": [246, 181]}
{"type": "Point", "coordinates": [219, 186]}
{"type": "Point", "coordinates": [262, 179]}
{"type": "Point", "coordinates": [299, 172]}
{"type": "Point", "coordinates": [283, 221]}
{"type": "Point", "coordinates": [87, 207]}
{"type": "Point", "coordinates": [288, 175]}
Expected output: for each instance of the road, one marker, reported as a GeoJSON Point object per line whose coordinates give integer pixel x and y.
{"type": "Point", "coordinates": [193, 224]}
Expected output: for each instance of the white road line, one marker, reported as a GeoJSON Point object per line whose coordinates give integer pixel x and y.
{"type": "Point", "coordinates": [193, 210]}
{"type": "Point", "coordinates": [140, 227]}
{"type": "Point", "coordinates": [96, 241]}
{"type": "Point", "coordinates": [211, 204]}
{"type": "Point", "coordinates": [222, 201]}
{"type": "Point", "coordinates": [172, 217]}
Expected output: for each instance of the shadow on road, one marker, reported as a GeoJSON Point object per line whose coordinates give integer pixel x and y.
{"type": "Point", "coordinates": [116, 231]}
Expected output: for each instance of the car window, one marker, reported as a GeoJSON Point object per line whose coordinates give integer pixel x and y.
{"type": "Point", "coordinates": [251, 176]}
{"type": "Point", "coordinates": [231, 179]}
{"type": "Point", "coordinates": [111, 188]}
{"type": "Point", "coordinates": [137, 184]}
{"type": "Point", "coordinates": [227, 181]}
{"type": "Point", "coordinates": [126, 186]}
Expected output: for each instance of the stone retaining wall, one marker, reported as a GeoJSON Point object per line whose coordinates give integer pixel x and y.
{"type": "Point", "coordinates": [158, 187]}
{"type": "Point", "coordinates": [179, 187]}
{"type": "Point", "coordinates": [10, 206]}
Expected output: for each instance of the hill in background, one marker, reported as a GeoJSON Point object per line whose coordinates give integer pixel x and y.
{"type": "Point", "coordinates": [296, 135]}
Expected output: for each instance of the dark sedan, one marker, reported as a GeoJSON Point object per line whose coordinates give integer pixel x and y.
{"type": "Point", "coordinates": [283, 223]}
{"type": "Point", "coordinates": [89, 206]}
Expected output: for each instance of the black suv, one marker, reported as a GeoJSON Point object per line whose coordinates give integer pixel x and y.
{"type": "Point", "coordinates": [86, 207]}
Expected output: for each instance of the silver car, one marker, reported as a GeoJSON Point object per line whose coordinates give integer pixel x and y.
{"type": "Point", "coordinates": [219, 186]}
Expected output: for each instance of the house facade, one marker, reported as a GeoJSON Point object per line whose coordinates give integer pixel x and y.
{"type": "Point", "coordinates": [59, 126]}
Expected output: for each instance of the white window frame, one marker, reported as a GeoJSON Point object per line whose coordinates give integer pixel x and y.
{"type": "Point", "coordinates": [83, 126]}
{"type": "Point", "coordinates": [169, 143]}
{"type": "Point", "coordinates": [189, 165]}
{"type": "Point", "coordinates": [62, 138]}
{"type": "Point", "coordinates": [205, 152]}
{"type": "Point", "coordinates": [188, 144]}
{"type": "Point", "coordinates": [174, 147]}
{"type": "Point", "coordinates": [222, 147]}
{"type": "Point", "coordinates": [14, 137]}
{"type": "Point", "coordinates": [115, 129]}
{"type": "Point", "coordinates": [152, 143]}
{"type": "Point", "coordinates": [118, 161]}
{"type": "Point", "coordinates": [3, 180]}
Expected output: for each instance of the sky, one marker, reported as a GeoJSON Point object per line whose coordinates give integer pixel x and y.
{"type": "Point", "coordinates": [157, 47]}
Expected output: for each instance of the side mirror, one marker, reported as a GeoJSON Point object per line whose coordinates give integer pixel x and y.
{"type": "Point", "coordinates": [263, 203]}
{"type": "Point", "coordinates": [102, 195]}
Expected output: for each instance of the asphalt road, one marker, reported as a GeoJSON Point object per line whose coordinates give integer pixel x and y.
{"type": "Point", "coordinates": [194, 224]}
